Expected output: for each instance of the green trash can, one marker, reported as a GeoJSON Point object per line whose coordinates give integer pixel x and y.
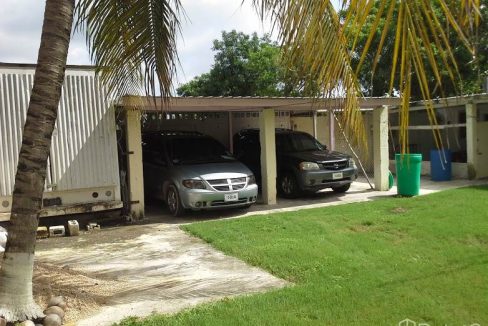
{"type": "Point", "coordinates": [408, 168]}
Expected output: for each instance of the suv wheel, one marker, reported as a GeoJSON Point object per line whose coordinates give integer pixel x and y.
{"type": "Point", "coordinates": [288, 185]}
{"type": "Point", "coordinates": [173, 201]}
{"type": "Point", "coordinates": [341, 189]}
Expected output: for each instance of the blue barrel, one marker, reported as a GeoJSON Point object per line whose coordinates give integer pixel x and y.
{"type": "Point", "coordinates": [440, 165]}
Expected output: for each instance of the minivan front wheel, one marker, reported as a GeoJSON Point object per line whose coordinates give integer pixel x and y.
{"type": "Point", "coordinates": [288, 185]}
{"type": "Point", "coordinates": [173, 201]}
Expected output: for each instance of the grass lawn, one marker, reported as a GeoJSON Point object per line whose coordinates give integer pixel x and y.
{"type": "Point", "coordinates": [373, 263]}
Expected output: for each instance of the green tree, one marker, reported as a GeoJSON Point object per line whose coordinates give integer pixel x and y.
{"type": "Point", "coordinates": [472, 67]}
{"type": "Point", "coordinates": [246, 65]}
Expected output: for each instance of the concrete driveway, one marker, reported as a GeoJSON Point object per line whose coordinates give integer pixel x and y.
{"type": "Point", "coordinates": [359, 191]}
{"type": "Point", "coordinates": [152, 268]}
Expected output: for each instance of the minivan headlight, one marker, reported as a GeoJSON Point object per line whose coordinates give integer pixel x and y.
{"type": "Point", "coordinates": [194, 184]}
{"type": "Point", "coordinates": [352, 163]}
{"type": "Point", "coordinates": [251, 180]}
{"type": "Point", "coordinates": [307, 166]}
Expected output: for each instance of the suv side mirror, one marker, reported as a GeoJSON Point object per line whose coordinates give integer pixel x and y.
{"type": "Point", "coordinates": [322, 145]}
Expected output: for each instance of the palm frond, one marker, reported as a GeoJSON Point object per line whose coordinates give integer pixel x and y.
{"type": "Point", "coordinates": [421, 45]}
{"type": "Point", "coordinates": [316, 41]}
{"type": "Point", "coordinates": [132, 43]}
{"type": "Point", "coordinates": [312, 42]}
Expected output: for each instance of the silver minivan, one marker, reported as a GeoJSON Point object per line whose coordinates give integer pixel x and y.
{"type": "Point", "coordinates": [189, 170]}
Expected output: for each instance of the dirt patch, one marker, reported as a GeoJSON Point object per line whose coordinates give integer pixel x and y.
{"type": "Point", "coordinates": [359, 228]}
{"type": "Point", "coordinates": [365, 226]}
{"type": "Point", "coordinates": [84, 294]}
{"type": "Point", "coordinates": [399, 210]}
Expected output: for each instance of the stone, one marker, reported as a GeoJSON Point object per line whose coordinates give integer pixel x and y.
{"type": "Point", "coordinates": [52, 320]}
{"type": "Point", "coordinates": [3, 322]}
{"type": "Point", "coordinates": [27, 323]}
{"type": "Point", "coordinates": [63, 305]}
{"type": "Point", "coordinates": [55, 310]}
{"type": "Point", "coordinates": [55, 301]}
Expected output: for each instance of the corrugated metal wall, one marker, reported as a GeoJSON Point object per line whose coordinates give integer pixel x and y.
{"type": "Point", "coordinates": [84, 148]}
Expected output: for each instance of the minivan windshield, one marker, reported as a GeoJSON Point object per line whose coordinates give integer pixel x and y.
{"type": "Point", "coordinates": [197, 150]}
{"type": "Point", "coordinates": [303, 142]}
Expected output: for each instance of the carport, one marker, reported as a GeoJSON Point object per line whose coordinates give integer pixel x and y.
{"type": "Point", "coordinates": [265, 110]}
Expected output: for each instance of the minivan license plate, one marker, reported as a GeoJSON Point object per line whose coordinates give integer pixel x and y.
{"type": "Point", "coordinates": [231, 197]}
{"type": "Point", "coordinates": [337, 175]}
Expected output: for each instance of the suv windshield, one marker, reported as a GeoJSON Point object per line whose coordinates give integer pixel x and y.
{"type": "Point", "coordinates": [303, 142]}
{"type": "Point", "coordinates": [197, 150]}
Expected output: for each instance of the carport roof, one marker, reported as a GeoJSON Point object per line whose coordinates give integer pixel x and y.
{"type": "Point", "coordinates": [226, 104]}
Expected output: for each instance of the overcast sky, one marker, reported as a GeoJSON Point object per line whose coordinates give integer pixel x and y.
{"type": "Point", "coordinates": [21, 20]}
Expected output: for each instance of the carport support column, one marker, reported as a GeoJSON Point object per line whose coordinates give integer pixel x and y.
{"type": "Point", "coordinates": [134, 163]}
{"type": "Point", "coordinates": [331, 130]}
{"type": "Point", "coordinates": [380, 147]}
{"type": "Point", "coordinates": [231, 133]}
{"type": "Point", "coordinates": [314, 122]}
{"type": "Point", "coordinates": [268, 155]}
{"type": "Point", "coordinates": [471, 139]}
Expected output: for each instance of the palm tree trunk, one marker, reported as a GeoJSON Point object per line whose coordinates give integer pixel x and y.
{"type": "Point", "coordinates": [16, 300]}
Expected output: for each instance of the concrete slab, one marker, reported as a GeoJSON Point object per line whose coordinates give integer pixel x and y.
{"type": "Point", "coordinates": [157, 268]}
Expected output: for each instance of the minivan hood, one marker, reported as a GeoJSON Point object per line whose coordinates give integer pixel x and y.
{"type": "Point", "coordinates": [318, 156]}
{"type": "Point", "coordinates": [210, 171]}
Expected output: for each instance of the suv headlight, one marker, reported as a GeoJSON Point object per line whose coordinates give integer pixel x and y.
{"type": "Point", "coordinates": [307, 166]}
{"type": "Point", "coordinates": [194, 184]}
{"type": "Point", "coordinates": [352, 163]}
{"type": "Point", "coordinates": [251, 180]}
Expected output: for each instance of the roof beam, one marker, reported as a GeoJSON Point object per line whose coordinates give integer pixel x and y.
{"type": "Point", "coordinates": [226, 104]}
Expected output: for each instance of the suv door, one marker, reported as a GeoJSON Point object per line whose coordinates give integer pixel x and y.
{"type": "Point", "coordinates": [248, 151]}
{"type": "Point", "coordinates": [283, 146]}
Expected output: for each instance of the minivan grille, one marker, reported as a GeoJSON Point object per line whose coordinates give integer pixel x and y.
{"type": "Point", "coordinates": [335, 165]}
{"type": "Point", "coordinates": [228, 184]}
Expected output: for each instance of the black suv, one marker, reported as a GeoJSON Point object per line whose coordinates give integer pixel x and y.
{"type": "Point", "coordinates": [304, 165]}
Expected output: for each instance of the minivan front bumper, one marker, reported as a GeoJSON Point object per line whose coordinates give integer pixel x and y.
{"type": "Point", "coordinates": [204, 199]}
